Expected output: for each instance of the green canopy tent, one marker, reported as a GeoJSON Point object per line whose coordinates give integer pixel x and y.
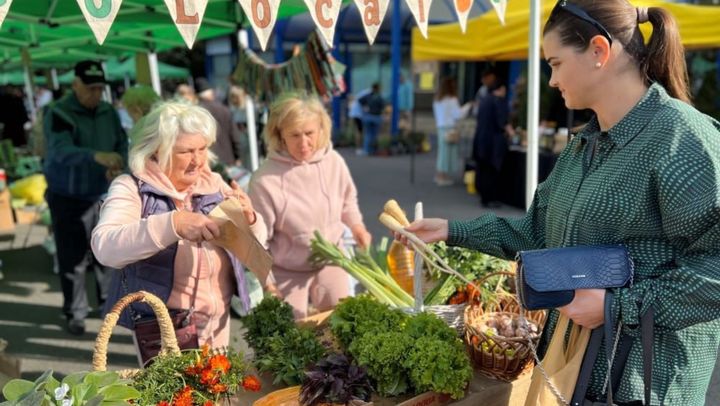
{"type": "Point", "coordinates": [56, 34]}
{"type": "Point", "coordinates": [17, 78]}
{"type": "Point", "coordinates": [117, 70]}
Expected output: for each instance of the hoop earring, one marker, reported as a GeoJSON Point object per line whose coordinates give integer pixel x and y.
{"type": "Point", "coordinates": [598, 65]}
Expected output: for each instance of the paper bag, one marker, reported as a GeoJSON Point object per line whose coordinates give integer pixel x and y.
{"type": "Point", "coordinates": [236, 237]}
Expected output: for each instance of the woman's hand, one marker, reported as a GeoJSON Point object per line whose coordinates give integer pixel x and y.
{"type": "Point", "coordinates": [361, 236]}
{"type": "Point", "coordinates": [195, 227]}
{"type": "Point", "coordinates": [245, 202]}
{"type": "Point", "coordinates": [587, 308]}
{"type": "Point", "coordinates": [272, 289]}
{"type": "Point", "coordinates": [428, 230]}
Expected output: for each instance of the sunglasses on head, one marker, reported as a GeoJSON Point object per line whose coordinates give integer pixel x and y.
{"type": "Point", "coordinates": [581, 14]}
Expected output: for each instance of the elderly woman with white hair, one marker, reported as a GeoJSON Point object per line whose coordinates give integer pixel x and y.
{"type": "Point", "coordinates": [154, 224]}
{"type": "Point", "coordinates": [304, 186]}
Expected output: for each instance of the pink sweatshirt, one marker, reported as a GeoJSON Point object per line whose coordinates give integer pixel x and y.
{"type": "Point", "coordinates": [122, 238]}
{"type": "Point", "coordinates": [297, 198]}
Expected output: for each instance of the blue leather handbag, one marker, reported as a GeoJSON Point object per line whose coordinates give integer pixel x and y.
{"type": "Point", "coordinates": [547, 278]}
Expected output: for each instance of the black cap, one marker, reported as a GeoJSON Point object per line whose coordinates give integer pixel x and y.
{"type": "Point", "coordinates": [201, 85]}
{"type": "Point", "coordinates": [90, 72]}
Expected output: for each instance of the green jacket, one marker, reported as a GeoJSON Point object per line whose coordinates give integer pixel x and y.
{"type": "Point", "coordinates": [73, 134]}
{"type": "Point", "coordinates": [653, 185]}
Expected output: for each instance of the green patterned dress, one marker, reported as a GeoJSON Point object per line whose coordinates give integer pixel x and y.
{"type": "Point", "coordinates": [652, 183]}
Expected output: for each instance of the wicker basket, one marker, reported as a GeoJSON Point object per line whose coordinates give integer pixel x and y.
{"type": "Point", "coordinates": [496, 356]}
{"type": "Point", "coordinates": [450, 314]}
{"type": "Point", "coordinates": [168, 341]}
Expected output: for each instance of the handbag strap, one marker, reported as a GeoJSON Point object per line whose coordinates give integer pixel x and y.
{"type": "Point", "coordinates": [647, 322]}
{"type": "Point", "coordinates": [593, 349]}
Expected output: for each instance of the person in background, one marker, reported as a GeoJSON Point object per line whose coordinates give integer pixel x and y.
{"type": "Point", "coordinates": [86, 147]}
{"type": "Point", "coordinates": [304, 186]}
{"type": "Point", "coordinates": [644, 172]}
{"type": "Point", "coordinates": [13, 116]}
{"type": "Point", "coordinates": [355, 113]}
{"type": "Point", "coordinates": [154, 225]}
{"type": "Point", "coordinates": [228, 145]}
{"type": "Point", "coordinates": [138, 101]}
{"type": "Point", "coordinates": [447, 111]}
{"type": "Point", "coordinates": [488, 78]}
{"type": "Point", "coordinates": [237, 102]}
{"type": "Point", "coordinates": [490, 143]}
{"type": "Point", "coordinates": [406, 102]}
{"type": "Point", "coordinates": [373, 105]}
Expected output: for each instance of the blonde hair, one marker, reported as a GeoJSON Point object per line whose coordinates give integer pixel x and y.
{"type": "Point", "coordinates": [159, 130]}
{"type": "Point", "coordinates": [291, 109]}
{"type": "Point", "coordinates": [141, 97]}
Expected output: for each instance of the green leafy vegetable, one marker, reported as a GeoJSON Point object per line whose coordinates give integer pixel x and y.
{"type": "Point", "coordinates": [439, 365]}
{"type": "Point", "coordinates": [354, 317]}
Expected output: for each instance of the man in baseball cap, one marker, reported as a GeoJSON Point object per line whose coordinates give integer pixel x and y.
{"type": "Point", "coordinates": [86, 148]}
{"type": "Point", "coordinates": [89, 83]}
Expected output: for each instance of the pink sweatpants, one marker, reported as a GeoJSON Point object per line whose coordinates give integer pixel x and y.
{"type": "Point", "coordinates": [323, 288]}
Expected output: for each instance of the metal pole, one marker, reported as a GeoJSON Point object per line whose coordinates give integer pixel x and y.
{"type": "Point", "coordinates": [107, 93]}
{"type": "Point", "coordinates": [396, 42]}
{"type": "Point", "coordinates": [29, 93]}
{"type": "Point", "coordinates": [154, 73]}
{"type": "Point", "coordinates": [533, 103]}
{"type": "Point", "coordinates": [54, 79]}
{"type": "Point", "coordinates": [418, 271]}
{"type": "Point", "coordinates": [249, 109]}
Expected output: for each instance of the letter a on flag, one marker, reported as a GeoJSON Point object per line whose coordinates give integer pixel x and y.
{"type": "Point", "coordinates": [500, 7]}
{"type": "Point", "coordinates": [187, 15]}
{"type": "Point", "coordinates": [99, 14]}
{"type": "Point", "coordinates": [263, 15]}
{"type": "Point", "coordinates": [372, 13]}
{"type": "Point", "coordinates": [420, 10]}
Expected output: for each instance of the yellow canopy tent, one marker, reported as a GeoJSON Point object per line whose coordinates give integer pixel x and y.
{"type": "Point", "coordinates": [486, 38]}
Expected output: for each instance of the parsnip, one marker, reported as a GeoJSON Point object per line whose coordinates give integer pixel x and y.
{"type": "Point", "coordinates": [393, 208]}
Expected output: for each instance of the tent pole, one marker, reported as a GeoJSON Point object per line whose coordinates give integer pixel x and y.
{"type": "Point", "coordinates": [107, 95]}
{"type": "Point", "coordinates": [54, 79]}
{"type": "Point", "coordinates": [28, 79]}
{"type": "Point", "coordinates": [533, 103]}
{"type": "Point", "coordinates": [154, 73]}
{"type": "Point", "coordinates": [396, 41]}
{"type": "Point", "coordinates": [243, 42]}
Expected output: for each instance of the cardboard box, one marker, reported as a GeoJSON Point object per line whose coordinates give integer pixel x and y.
{"type": "Point", "coordinates": [7, 224]}
{"type": "Point", "coordinates": [27, 215]}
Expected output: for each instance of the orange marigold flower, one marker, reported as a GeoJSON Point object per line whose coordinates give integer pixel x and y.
{"type": "Point", "coordinates": [251, 383]}
{"type": "Point", "coordinates": [208, 403]}
{"type": "Point", "coordinates": [219, 363]}
{"type": "Point", "coordinates": [163, 403]}
{"type": "Point", "coordinates": [208, 377]}
{"type": "Point", "coordinates": [218, 388]}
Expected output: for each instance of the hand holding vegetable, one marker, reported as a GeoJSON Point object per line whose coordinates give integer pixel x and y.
{"type": "Point", "coordinates": [428, 230]}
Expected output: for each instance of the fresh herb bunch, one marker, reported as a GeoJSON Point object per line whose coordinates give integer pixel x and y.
{"type": "Point", "coordinates": [81, 388]}
{"type": "Point", "coordinates": [269, 317]}
{"type": "Point", "coordinates": [195, 377]}
{"type": "Point", "coordinates": [438, 365]}
{"type": "Point", "coordinates": [335, 379]}
{"type": "Point", "coordinates": [354, 317]}
{"type": "Point", "coordinates": [287, 355]}
{"type": "Point", "coordinates": [471, 264]}
{"type": "Point", "coordinates": [384, 355]}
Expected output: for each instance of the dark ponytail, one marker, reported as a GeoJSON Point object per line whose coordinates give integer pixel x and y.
{"type": "Point", "coordinates": [664, 60]}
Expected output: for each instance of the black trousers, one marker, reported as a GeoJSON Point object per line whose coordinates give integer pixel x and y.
{"type": "Point", "coordinates": [72, 223]}
{"type": "Point", "coordinates": [486, 181]}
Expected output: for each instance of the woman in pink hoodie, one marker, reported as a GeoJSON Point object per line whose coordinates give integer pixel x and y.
{"type": "Point", "coordinates": [154, 226]}
{"type": "Point", "coordinates": [303, 186]}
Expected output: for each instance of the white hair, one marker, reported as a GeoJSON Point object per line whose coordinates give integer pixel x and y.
{"type": "Point", "coordinates": [159, 131]}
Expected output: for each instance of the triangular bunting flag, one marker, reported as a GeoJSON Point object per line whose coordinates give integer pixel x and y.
{"type": "Point", "coordinates": [4, 8]}
{"type": "Point", "coordinates": [462, 8]}
{"type": "Point", "coordinates": [500, 7]}
{"type": "Point", "coordinates": [263, 15]}
{"type": "Point", "coordinates": [420, 10]}
{"type": "Point", "coordinates": [99, 14]}
{"type": "Point", "coordinates": [325, 14]}
{"type": "Point", "coordinates": [372, 13]}
{"type": "Point", "coordinates": [187, 15]}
